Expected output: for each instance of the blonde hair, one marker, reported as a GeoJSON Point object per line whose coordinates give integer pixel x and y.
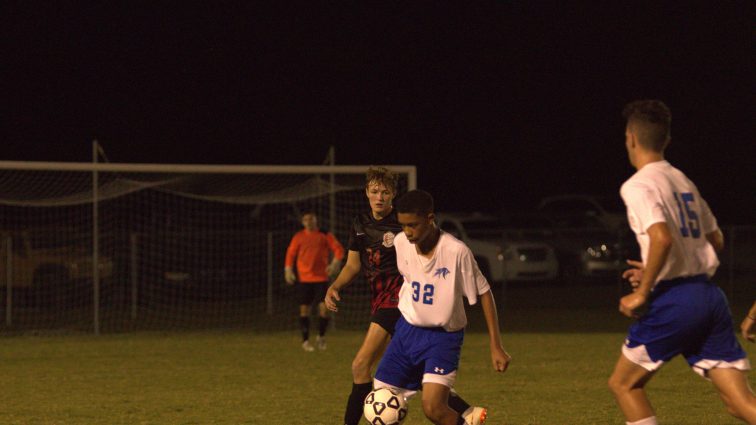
{"type": "Point", "coordinates": [381, 175]}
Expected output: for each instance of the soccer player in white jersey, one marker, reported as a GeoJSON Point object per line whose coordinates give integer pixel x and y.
{"type": "Point", "coordinates": [437, 270]}
{"type": "Point", "coordinates": [686, 313]}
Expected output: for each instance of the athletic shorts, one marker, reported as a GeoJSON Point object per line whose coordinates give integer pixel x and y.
{"type": "Point", "coordinates": [311, 291]}
{"type": "Point", "coordinates": [417, 355]}
{"type": "Point", "coordinates": [688, 316]}
{"type": "Point", "coordinates": [386, 318]}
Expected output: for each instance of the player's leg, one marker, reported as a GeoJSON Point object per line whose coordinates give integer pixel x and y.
{"type": "Point", "coordinates": [323, 318]}
{"type": "Point", "coordinates": [436, 407]}
{"type": "Point", "coordinates": [474, 415]}
{"type": "Point", "coordinates": [627, 384]}
{"type": "Point", "coordinates": [721, 359]}
{"type": "Point", "coordinates": [732, 385]}
{"type": "Point", "coordinates": [373, 346]}
{"type": "Point", "coordinates": [440, 363]}
{"type": "Point", "coordinates": [306, 297]}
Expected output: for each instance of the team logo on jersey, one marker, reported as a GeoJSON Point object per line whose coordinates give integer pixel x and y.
{"type": "Point", "coordinates": [443, 271]}
{"type": "Point", "coordinates": [388, 239]}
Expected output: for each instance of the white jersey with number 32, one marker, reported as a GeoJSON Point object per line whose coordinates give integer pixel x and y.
{"type": "Point", "coordinates": [432, 291]}
{"type": "Point", "coordinates": [659, 192]}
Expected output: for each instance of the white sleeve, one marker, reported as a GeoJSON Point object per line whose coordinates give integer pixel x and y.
{"type": "Point", "coordinates": [473, 281]}
{"type": "Point", "coordinates": [644, 203]}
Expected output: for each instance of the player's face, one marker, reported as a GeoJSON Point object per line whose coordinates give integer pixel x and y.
{"type": "Point", "coordinates": [310, 221]}
{"type": "Point", "coordinates": [629, 145]}
{"type": "Point", "coordinates": [416, 227]}
{"type": "Point", "coordinates": [380, 198]}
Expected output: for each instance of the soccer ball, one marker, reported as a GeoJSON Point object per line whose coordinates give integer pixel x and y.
{"type": "Point", "coordinates": [385, 407]}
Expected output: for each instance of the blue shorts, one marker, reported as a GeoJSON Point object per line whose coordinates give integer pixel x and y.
{"type": "Point", "coordinates": [688, 316]}
{"type": "Point", "coordinates": [415, 351]}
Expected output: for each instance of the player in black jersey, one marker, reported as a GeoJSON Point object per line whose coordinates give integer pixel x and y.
{"type": "Point", "coordinates": [371, 250]}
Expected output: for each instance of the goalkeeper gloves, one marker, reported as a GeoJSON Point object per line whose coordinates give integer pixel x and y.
{"type": "Point", "coordinates": [289, 275]}
{"type": "Point", "coordinates": [334, 268]}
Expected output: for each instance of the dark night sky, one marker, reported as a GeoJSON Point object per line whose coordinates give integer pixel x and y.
{"type": "Point", "coordinates": [498, 104]}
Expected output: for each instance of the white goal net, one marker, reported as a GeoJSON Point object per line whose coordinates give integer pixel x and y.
{"type": "Point", "coordinates": [176, 246]}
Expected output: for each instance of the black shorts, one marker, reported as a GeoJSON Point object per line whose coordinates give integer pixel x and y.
{"type": "Point", "coordinates": [386, 318]}
{"type": "Point", "coordinates": [309, 292]}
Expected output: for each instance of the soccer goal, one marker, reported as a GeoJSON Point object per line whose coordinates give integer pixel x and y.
{"type": "Point", "coordinates": [114, 247]}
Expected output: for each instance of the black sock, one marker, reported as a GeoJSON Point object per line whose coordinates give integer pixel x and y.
{"type": "Point", "coordinates": [304, 325]}
{"type": "Point", "coordinates": [457, 404]}
{"type": "Point", "coordinates": [355, 406]}
{"type": "Point", "coordinates": [323, 325]}
{"type": "Point", "coordinates": [461, 421]}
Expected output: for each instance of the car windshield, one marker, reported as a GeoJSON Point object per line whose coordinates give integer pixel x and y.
{"type": "Point", "coordinates": [611, 204]}
{"type": "Point", "coordinates": [485, 229]}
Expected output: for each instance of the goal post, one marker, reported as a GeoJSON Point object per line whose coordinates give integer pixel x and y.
{"type": "Point", "coordinates": [91, 246]}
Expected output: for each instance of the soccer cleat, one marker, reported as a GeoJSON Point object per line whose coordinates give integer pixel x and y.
{"type": "Point", "coordinates": [308, 347]}
{"type": "Point", "coordinates": [477, 416]}
{"type": "Point", "coordinates": [321, 343]}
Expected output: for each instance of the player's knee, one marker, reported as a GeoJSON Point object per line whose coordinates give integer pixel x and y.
{"type": "Point", "coordinates": [739, 406]}
{"type": "Point", "coordinates": [618, 385]}
{"type": "Point", "coordinates": [360, 367]}
{"type": "Point", "coordinates": [434, 410]}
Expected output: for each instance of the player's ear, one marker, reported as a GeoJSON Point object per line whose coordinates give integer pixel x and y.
{"type": "Point", "coordinates": [431, 217]}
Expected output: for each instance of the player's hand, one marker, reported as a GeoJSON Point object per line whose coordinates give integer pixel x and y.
{"type": "Point", "coordinates": [289, 276]}
{"type": "Point", "coordinates": [635, 274]}
{"type": "Point", "coordinates": [331, 297]}
{"type": "Point", "coordinates": [500, 359]}
{"type": "Point", "coordinates": [746, 327]}
{"type": "Point", "coordinates": [631, 302]}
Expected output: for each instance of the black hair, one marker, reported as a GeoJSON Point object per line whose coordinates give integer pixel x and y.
{"type": "Point", "coordinates": [650, 121]}
{"type": "Point", "coordinates": [417, 202]}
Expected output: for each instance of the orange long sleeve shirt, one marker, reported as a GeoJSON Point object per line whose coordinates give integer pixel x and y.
{"type": "Point", "coordinates": [311, 250]}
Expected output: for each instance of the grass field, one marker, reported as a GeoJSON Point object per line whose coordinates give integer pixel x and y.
{"type": "Point", "coordinates": [564, 340]}
{"type": "Point", "coordinates": [242, 378]}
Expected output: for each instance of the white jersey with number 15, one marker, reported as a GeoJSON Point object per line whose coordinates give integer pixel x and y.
{"type": "Point", "coordinates": [659, 192]}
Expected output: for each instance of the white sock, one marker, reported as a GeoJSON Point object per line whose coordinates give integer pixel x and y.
{"type": "Point", "coordinates": [467, 412]}
{"type": "Point", "coordinates": [651, 420]}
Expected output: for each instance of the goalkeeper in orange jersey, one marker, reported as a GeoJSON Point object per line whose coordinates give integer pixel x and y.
{"type": "Point", "coordinates": [311, 248]}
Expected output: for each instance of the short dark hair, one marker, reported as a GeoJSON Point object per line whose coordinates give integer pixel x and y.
{"type": "Point", "coordinates": [417, 202]}
{"type": "Point", "coordinates": [650, 120]}
{"type": "Point", "coordinates": [308, 212]}
{"type": "Point", "coordinates": [381, 175]}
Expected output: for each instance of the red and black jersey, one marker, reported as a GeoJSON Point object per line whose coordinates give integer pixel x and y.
{"type": "Point", "coordinates": [374, 240]}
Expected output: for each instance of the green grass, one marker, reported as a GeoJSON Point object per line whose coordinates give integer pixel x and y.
{"type": "Point", "coordinates": [235, 377]}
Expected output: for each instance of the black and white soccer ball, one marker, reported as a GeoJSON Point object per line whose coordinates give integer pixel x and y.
{"type": "Point", "coordinates": [385, 407]}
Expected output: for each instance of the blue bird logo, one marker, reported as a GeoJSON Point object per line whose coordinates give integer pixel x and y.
{"type": "Point", "coordinates": [443, 271]}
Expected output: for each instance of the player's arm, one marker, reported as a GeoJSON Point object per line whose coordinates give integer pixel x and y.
{"type": "Point", "coordinates": [660, 243]}
{"type": "Point", "coordinates": [746, 327]}
{"type": "Point", "coordinates": [291, 253]}
{"type": "Point", "coordinates": [716, 239]}
{"type": "Point", "coordinates": [338, 255]}
{"type": "Point", "coordinates": [348, 273]}
{"type": "Point", "coordinates": [499, 357]}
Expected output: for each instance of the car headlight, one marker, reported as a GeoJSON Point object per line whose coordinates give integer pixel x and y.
{"type": "Point", "coordinates": [599, 251]}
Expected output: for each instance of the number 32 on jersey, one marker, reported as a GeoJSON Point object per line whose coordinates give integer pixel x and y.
{"type": "Point", "coordinates": [424, 291]}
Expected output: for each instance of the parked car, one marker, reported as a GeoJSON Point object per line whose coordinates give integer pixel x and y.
{"type": "Point", "coordinates": [48, 260]}
{"type": "Point", "coordinates": [587, 247]}
{"type": "Point", "coordinates": [608, 210]}
{"type": "Point", "coordinates": [499, 256]}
